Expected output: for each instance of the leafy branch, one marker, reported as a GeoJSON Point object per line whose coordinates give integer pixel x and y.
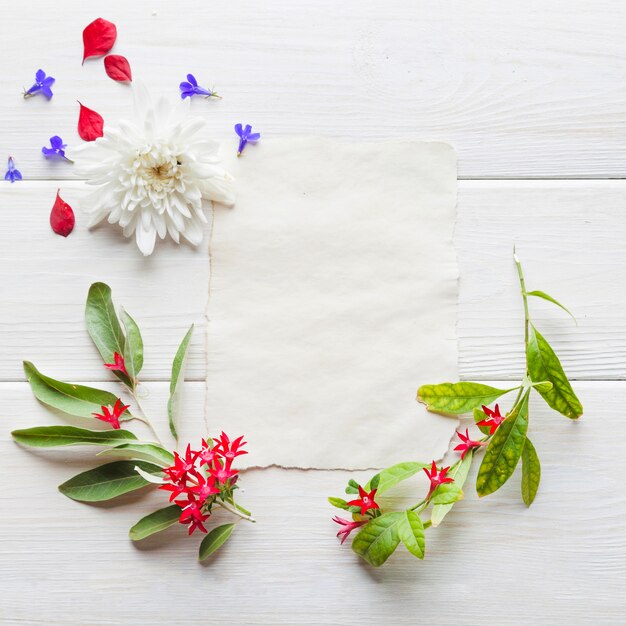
{"type": "Point", "coordinates": [505, 441]}
{"type": "Point", "coordinates": [198, 480]}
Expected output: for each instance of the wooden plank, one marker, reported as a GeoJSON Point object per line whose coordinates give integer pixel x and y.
{"type": "Point", "coordinates": [561, 562]}
{"type": "Point", "coordinates": [569, 235]}
{"type": "Point", "coordinates": [503, 82]}
{"type": "Point", "coordinates": [45, 280]}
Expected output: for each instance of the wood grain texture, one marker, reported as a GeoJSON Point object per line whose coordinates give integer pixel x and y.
{"type": "Point", "coordinates": [570, 235]}
{"type": "Point", "coordinates": [530, 89]}
{"type": "Point", "coordinates": [45, 281]}
{"type": "Point", "coordinates": [561, 562]}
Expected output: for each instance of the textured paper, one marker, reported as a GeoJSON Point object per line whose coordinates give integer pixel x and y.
{"type": "Point", "coordinates": [332, 298]}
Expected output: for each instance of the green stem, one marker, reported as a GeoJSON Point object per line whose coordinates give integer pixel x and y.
{"type": "Point", "coordinates": [520, 273]}
{"type": "Point", "coordinates": [232, 509]}
{"type": "Point", "coordinates": [144, 417]}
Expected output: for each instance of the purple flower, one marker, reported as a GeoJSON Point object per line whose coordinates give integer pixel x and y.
{"type": "Point", "coordinates": [190, 88]}
{"type": "Point", "coordinates": [245, 135]}
{"type": "Point", "coordinates": [12, 173]}
{"type": "Point", "coordinates": [57, 148]}
{"type": "Point", "coordinates": [42, 84]}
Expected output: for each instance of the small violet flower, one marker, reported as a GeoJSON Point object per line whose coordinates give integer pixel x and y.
{"type": "Point", "coordinates": [245, 135]}
{"type": "Point", "coordinates": [42, 84]}
{"type": "Point", "coordinates": [57, 149]}
{"type": "Point", "coordinates": [190, 88]}
{"type": "Point", "coordinates": [12, 174]}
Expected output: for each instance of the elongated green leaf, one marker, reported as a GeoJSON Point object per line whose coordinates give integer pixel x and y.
{"type": "Point", "coordinates": [395, 474]}
{"type": "Point", "coordinates": [504, 450]}
{"type": "Point", "coordinates": [215, 539]}
{"type": "Point", "coordinates": [377, 540]}
{"type": "Point", "coordinates": [456, 398]}
{"type": "Point", "coordinates": [353, 487]}
{"type": "Point", "coordinates": [531, 472]}
{"type": "Point", "coordinates": [102, 323]}
{"type": "Point", "coordinates": [108, 481]}
{"type": "Point", "coordinates": [448, 493]}
{"type": "Point", "coordinates": [545, 296]}
{"type": "Point", "coordinates": [459, 473]}
{"type": "Point", "coordinates": [52, 436]}
{"type": "Point", "coordinates": [543, 386]}
{"type": "Point", "coordinates": [155, 522]}
{"type": "Point", "coordinates": [411, 533]}
{"type": "Point", "coordinates": [133, 346]}
{"type": "Point", "coordinates": [142, 451]}
{"type": "Point", "coordinates": [544, 365]}
{"type": "Point", "coordinates": [178, 372]}
{"type": "Point", "coordinates": [75, 400]}
{"type": "Point", "coordinates": [339, 503]}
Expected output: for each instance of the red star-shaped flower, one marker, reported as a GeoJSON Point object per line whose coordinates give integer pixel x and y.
{"type": "Point", "coordinates": [182, 465]}
{"type": "Point", "coordinates": [222, 473]}
{"type": "Point", "coordinates": [192, 514]}
{"type": "Point", "coordinates": [437, 477]}
{"type": "Point", "coordinates": [494, 419]}
{"type": "Point", "coordinates": [467, 443]}
{"type": "Point", "coordinates": [112, 414]}
{"type": "Point", "coordinates": [118, 365]}
{"type": "Point", "coordinates": [230, 450]}
{"type": "Point", "coordinates": [365, 500]}
{"type": "Point", "coordinates": [348, 526]}
{"type": "Point", "coordinates": [208, 454]}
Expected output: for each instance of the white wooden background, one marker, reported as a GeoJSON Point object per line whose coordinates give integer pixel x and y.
{"type": "Point", "coordinates": [533, 97]}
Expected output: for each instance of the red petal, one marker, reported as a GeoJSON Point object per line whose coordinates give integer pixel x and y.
{"type": "Point", "coordinates": [98, 38]}
{"type": "Point", "coordinates": [62, 217]}
{"type": "Point", "coordinates": [90, 124]}
{"type": "Point", "coordinates": [118, 68]}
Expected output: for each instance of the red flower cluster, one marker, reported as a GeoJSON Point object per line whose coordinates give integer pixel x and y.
{"type": "Point", "coordinates": [494, 419]}
{"type": "Point", "coordinates": [200, 475]}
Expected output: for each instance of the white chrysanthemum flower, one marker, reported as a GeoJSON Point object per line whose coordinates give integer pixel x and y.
{"type": "Point", "coordinates": [153, 173]}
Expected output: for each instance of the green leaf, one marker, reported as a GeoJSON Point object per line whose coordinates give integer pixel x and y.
{"type": "Point", "coordinates": [377, 540]}
{"type": "Point", "coordinates": [133, 346]}
{"type": "Point", "coordinates": [52, 436]}
{"type": "Point", "coordinates": [411, 533]}
{"type": "Point", "coordinates": [531, 472]}
{"type": "Point", "coordinates": [448, 493]}
{"type": "Point", "coordinates": [147, 451]}
{"type": "Point", "coordinates": [543, 387]}
{"type": "Point", "coordinates": [545, 296]}
{"type": "Point", "coordinates": [155, 522]}
{"type": "Point", "coordinates": [504, 450]}
{"type": "Point", "coordinates": [479, 416]}
{"type": "Point", "coordinates": [456, 398]}
{"type": "Point", "coordinates": [459, 473]}
{"type": "Point", "coordinates": [353, 487]}
{"type": "Point", "coordinates": [178, 367]}
{"type": "Point", "coordinates": [108, 481]}
{"type": "Point", "coordinates": [395, 474]}
{"type": "Point", "coordinates": [215, 539]}
{"type": "Point", "coordinates": [544, 365]}
{"type": "Point", "coordinates": [102, 323]}
{"type": "Point", "coordinates": [340, 503]}
{"type": "Point", "coordinates": [75, 400]}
